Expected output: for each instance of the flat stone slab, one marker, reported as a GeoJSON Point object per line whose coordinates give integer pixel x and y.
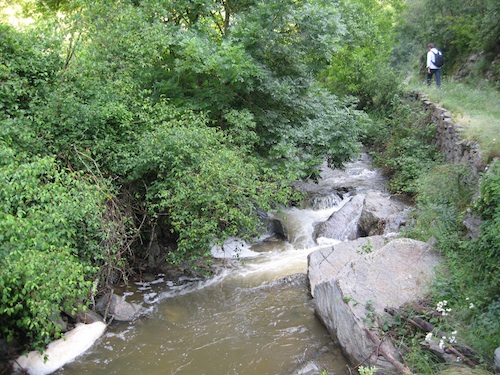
{"type": "Point", "coordinates": [323, 265]}
{"type": "Point", "coordinates": [348, 297]}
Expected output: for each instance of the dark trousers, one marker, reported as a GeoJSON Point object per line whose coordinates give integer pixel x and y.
{"type": "Point", "coordinates": [437, 72]}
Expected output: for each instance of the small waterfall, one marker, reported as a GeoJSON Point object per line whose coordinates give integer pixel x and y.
{"type": "Point", "coordinates": [323, 202]}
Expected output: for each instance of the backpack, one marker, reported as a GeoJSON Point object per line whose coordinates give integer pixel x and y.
{"type": "Point", "coordinates": [438, 59]}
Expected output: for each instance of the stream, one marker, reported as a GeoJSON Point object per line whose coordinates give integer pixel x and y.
{"type": "Point", "coordinates": [254, 316]}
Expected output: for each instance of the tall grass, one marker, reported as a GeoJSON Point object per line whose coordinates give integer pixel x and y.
{"type": "Point", "coordinates": [476, 108]}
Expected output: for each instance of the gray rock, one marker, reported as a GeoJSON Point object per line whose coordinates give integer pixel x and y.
{"type": "Point", "coordinates": [343, 224]}
{"type": "Point", "coordinates": [358, 292]}
{"type": "Point", "coordinates": [118, 308]}
{"type": "Point", "coordinates": [323, 265]}
{"type": "Point", "coordinates": [380, 215]}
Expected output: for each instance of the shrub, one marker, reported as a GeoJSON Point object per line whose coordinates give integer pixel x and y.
{"type": "Point", "coordinates": [401, 139]}
{"type": "Point", "coordinates": [51, 233]}
{"type": "Point", "coordinates": [204, 189]}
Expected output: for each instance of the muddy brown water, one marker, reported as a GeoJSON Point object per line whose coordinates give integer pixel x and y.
{"type": "Point", "coordinates": [255, 316]}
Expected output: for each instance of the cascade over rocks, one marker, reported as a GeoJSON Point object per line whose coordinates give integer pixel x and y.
{"type": "Point", "coordinates": [364, 215]}
{"type": "Point", "coordinates": [353, 282]}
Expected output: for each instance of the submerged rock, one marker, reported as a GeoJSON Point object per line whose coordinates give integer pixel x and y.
{"type": "Point", "coordinates": [116, 307]}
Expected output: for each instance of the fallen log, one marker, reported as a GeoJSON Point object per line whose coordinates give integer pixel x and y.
{"type": "Point", "coordinates": [397, 365]}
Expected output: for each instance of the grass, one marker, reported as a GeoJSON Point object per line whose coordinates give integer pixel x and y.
{"type": "Point", "coordinates": [477, 109]}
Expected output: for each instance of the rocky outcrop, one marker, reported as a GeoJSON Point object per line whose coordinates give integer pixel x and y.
{"type": "Point", "coordinates": [364, 215]}
{"type": "Point", "coordinates": [354, 282]}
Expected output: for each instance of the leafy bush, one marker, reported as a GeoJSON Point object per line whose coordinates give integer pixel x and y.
{"type": "Point", "coordinates": [401, 138]}
{"type": "Point", "coordinates": [206, 190]}
{"type": "Point", "coordinates": [36, 287]}
{"type": "Point", "coordinates": [50, 244]}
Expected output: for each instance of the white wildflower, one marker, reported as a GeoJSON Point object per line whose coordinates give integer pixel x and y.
{"type": "Point", "coordinates": [441, 344]}
{"type": "Point", "coordinates": [428, 337]}
{"type": "Point", "coordinates": [471, 306]}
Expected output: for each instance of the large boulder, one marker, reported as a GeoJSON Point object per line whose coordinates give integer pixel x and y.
{"type": "Point", "coordinates": [381, 214]}
{"type": "Point", "coordinates": [61, 351]}
{"type": "Point", "coordinates": [360, 287]}
{"type": "Point", "coordinates": [325, 264]}
{"type": "Point", "coordinates": [343, 224]}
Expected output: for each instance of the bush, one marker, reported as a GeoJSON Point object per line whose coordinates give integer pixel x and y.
{"type": "Point", "coordinates": [204, 189]}
{"type": "Point", "coordinates": [51, 236]}
{"type": "Point", "coordinates": [401, 143]}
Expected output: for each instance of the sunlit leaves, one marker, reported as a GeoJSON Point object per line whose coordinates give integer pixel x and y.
{"type": "Point", "coordinates": [45, 214]}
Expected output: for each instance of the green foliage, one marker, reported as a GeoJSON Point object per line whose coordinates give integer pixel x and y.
{"type": "Point", "coordinates": [367, 248]}
{"type": "Point", "coordinates": [365, 370]}
{"type": "Point", "coordinates": [49, 223]}
{"type": "Point", "coordinates": [421, 361]}
{"type": "Point", "coordinates": [36, 287]}
{"type": "Point", "coordinates": [484, 329]}
{"type": "Point", "coordinates": [469, 279]}
{"type": "Point", "coordinates": [477, 260]}
{"type": "Point", "coordinates": [443, 195]}
{"type": "Point", "coordinates": [360, 66]}
{"type": "Point", "coordinates": [201, 111]}
{"type": "Point", "coordinates": [475, 107]}
{"type": "Point", "coordinates": [27, 72]}
{"type": "Point", "coordinates": [208, 190]}
{"type": "Point", "coordinates": [459, 28]}
{"type": "Point", "coordinates": [402, 138]}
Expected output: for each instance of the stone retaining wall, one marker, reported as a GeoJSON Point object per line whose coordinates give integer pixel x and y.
{"type": "Point", "coordinates": [449, 138]}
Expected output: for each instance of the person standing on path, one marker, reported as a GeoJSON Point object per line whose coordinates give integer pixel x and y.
{"type": "Point", "coordinates": [431, 68]}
